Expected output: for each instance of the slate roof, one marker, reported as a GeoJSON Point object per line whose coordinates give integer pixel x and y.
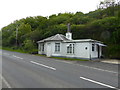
{"type": "Point", "coordinates": [57, 37]}
{"type": "Point", "coordinates": [60, 37]}
{"type": "Point", "coordinates": [83, 40]}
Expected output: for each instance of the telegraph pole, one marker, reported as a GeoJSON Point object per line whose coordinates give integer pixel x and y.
{"type": "Point", "coordinates": [16, 34]}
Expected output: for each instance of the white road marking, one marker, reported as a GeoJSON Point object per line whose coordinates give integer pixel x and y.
{"type": "Point", "coordinates": [99, 69]}
{"type": "Point", "coordinates": [98, 83]}
{"type": "Point", "coordinates": [43, 65]}
{"type": "Point", "coordinates": [0, 82]}
{"type": "Point", "coordinates": [7, 84]}
{"type": "Point", "coordinates": [17, 57]}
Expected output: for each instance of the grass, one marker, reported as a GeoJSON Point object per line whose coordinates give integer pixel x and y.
{"type": "Point", "coordinates": [63, 58]}
{"type": "Point", "coordinates": [0, 47]}
{"type": "Point", "coordinates": [14, 50]}
{"type": "Point", "coordinates": [70, 59]}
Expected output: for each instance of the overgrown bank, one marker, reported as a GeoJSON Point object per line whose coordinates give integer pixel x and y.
{"type": "Point", "coordinates": [101, 24]}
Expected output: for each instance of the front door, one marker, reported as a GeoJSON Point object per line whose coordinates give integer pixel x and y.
{"type": "Point", "coordinates": [48, 50]}
{"type": "Point", "coordinates": [98, 49]}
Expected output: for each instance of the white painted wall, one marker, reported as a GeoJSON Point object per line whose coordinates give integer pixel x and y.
{"type": "Point", "coordinates": [39, 48]}
{"type": "Point", "coordinates": [53, 48]}
{"type": "Point", "coordinates": [93, 54]}
{"type": "Point", "coordinates": [69, 35]}
{"type": "Point", "coordinates": [100, 50]}
{"type": "Point", "coordinates": [64, 50]}
{"type": "Point", "coordinates": [80, 50]}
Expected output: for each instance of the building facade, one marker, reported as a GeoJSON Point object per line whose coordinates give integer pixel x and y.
{"type": "Point", "coordinates": [64, 46]}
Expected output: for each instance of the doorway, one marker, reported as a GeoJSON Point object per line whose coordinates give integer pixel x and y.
{"type": "Point", "coordinates": [98, 50]}
{"type": "Point", "coordinates": [49, 52]}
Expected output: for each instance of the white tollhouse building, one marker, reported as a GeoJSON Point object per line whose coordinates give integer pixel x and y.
{"type": "Point", "coordinates": [64, 46]}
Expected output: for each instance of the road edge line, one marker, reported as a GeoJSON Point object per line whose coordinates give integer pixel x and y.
{"type": "Point", "coordinates": [5, 81]}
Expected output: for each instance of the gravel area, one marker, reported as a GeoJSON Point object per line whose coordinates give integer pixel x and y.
{"type": "Point", "coordinates": [113, 61]}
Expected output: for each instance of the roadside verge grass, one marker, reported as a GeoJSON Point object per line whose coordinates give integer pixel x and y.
{"type": "Point", "coordinates": [64, 58]}
{"type": "Point", "coordinates": [14, 50]}
{"type": "Point", "coordinates": [61, 58]}
{"type": "Point", "coordinates": [69, 59]}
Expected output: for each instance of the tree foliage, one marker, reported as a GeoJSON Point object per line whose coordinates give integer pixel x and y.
{"type": "Point", "coordinates": [102, 24]}
{"type": "Point", "coordinates": [29, 45]}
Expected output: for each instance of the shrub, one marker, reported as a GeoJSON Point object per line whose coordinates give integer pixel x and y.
{"type": "Point", "coordinates": [29, 46]}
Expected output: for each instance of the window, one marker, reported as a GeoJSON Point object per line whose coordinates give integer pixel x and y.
{"type": "Point", "coordinates": [70, 48]}
{"type": "Point", "coordinates": [93, 47]}
{"type": "Point", "coordinates": [73, 48]}
{"type": "Point", "coordinates": [57, 47]}
{"type": "Point", "coordinates": [42, 47]}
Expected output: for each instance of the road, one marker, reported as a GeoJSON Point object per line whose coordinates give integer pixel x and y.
{"type": "Point", "coordinates": [29, 71]}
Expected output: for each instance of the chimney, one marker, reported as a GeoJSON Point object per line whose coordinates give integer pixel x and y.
{"type": "Point", "coordinates": [68, 34]}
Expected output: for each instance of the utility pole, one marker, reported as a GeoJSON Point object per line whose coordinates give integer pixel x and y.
{"type": "Point", "coordinates": [16, 34]}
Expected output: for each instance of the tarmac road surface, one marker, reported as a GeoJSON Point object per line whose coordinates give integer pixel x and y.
{"type": "Point", "coordinates": [29, 71]}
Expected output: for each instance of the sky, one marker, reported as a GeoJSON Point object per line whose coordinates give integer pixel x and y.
{"type": "Point", "coordinates": [11, 10]}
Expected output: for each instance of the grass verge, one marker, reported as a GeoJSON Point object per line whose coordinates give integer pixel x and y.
{"type": "Point", "coordinates": [69, 59]}
{"type": "Point", "coordinates": [14, 50]}
{"type": "Point", "coordinates": [62, 58]}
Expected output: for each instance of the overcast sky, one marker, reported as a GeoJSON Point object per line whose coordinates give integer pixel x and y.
{"type": "Point", "coordinates": [11, 10]}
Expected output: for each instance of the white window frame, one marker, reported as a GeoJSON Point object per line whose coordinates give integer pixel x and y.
{"type": "Point", "coordinates": [57, 47]}
{"type": "Point", "coordinates": [42, 47]}
{"type": "Point", "coordinates": [71, 49]}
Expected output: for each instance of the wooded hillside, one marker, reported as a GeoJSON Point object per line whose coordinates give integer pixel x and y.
{"type": "Point", "coordinates": [102, 24]}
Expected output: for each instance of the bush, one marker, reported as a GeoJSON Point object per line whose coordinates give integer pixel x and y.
{"type": "Point", "coordinates": [29, 46]}
{"type": "Point", "coordinates": [114, 51]}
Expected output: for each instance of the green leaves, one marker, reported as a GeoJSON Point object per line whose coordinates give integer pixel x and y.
{"type": "Point", "coordinates": [29, 45]}
{"type": "Point", "coordinates": [100, 24]}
